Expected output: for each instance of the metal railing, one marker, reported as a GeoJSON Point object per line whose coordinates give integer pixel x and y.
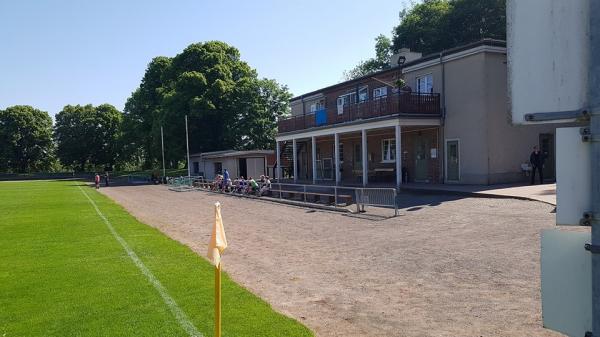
{"type": "Point", "coordinates": [398, 103]}
{"type": "Point", "coordinates": [376, 197]}
{"type": "Point", "coordinates": [184, 183]}
{"type": "Point", "coordinates": [313, 191]}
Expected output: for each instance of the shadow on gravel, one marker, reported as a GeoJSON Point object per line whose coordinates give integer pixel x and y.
{"type": "Point", "coordinates": [411, 202]}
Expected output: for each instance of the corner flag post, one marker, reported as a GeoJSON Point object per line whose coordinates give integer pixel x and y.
{"type": "Point", "coordinates": [216, 246]}
{"type": "Point", "coordinates": [218, 300]}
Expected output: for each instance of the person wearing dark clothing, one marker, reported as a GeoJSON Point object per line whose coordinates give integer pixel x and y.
{"type": "Point", "coordinates": [536, 159]}
{"type": "Point", "coordinates": [106, 179]}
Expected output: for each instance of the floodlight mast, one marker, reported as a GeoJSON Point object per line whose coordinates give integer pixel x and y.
{"type": "Point", "coordinates": [162, 145]}
{"type": "Point", "coordinates": [187, 144]}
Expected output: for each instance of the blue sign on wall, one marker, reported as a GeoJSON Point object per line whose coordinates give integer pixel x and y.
{"type": "Point", "coordinates": [321, 117]}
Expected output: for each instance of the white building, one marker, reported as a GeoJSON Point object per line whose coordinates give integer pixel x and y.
{"type": "Point", "coordinates": [251, 163]}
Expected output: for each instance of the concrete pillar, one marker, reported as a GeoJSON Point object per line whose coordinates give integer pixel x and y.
{"type": "Point", "coordinates": [398, 156]}
{"type": "Point", "coordinates": [314, 158]}
{"type": "Point", "coordinates": [278, 159]}
{"type": "Point", "coordinates": [295, 149]}
{"type": "Point", "coordinates": [365, 161]}
{"type": "Point", "coordinates": [337, 158]}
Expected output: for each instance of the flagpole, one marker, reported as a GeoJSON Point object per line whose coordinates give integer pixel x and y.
{"type": "Point", "coordinates": [187, 143]}
{"type": "Point", "coordinates": [162, 145]}
{"type": "Point", "coordinates": [218, 300]}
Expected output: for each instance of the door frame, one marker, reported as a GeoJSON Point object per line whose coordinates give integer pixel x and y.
{"type": "Point", "coordinates": [457, 140]}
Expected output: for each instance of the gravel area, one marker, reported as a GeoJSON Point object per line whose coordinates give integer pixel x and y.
{"type": "Point", "coordinates": [447, 266]}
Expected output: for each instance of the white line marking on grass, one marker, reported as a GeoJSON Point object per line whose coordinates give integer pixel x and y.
{"type": "Point", "coordinates": [182, 318]}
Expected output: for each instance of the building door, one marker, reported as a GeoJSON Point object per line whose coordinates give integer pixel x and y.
{"type": "Point", "coordinates": [421, 158]}
{"type": "Point", "coordinates": [452, 160]}
{"type": "Point", "coordinates": [243, 168]}
{"type": "Point", "coordinates": [547, 148]}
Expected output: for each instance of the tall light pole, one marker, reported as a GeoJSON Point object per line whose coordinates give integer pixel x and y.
{"type": "Point", "coordinates": [187, 143]}
{"type": "Point", "coordinates": [162, 145]}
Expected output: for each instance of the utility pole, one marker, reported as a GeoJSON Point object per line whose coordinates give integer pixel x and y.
{"type": "Point", "coordinates": [162, 145]}
{"type": "Point", "coordinates": [594, 106]}
{"type": "Point", "coordinates": [187, 143]}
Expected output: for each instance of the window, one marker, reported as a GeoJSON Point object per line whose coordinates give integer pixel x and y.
{"type": "Point", "coordinates": [363, 94]}
{"type": "Point", "coordinates": [425, 84]}
{"type": "Point", "coordinates": [316, 106]}
{"type": "Point", "coordinates": [218, 168]}
{"type": "Point", "coordinates": [347, 99]}
{"type": "Point", "coordinates": [379, 92]}
{"type": "Point", "coordinates": [388, 150]}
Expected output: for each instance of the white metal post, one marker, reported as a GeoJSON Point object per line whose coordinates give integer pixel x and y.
{"type": "Point", "coordinates": [294, 156]}
{"type": "Point", "coordinates": [398, 155]}
{"type": "Point", "coordinates": [314, 159]}
{"type": "Point", "coordinates": [162, 145]}
{"type": "Point", "coordinates": [365, 162]}
{"type": "Point", "coordinates": [187, 144]}
{"type": "Point", "coordinates": [278, 162]}
{"type": "Point", "coordinates": [337, 158]}
{"type": "Point", "coordinates": [594, 102]}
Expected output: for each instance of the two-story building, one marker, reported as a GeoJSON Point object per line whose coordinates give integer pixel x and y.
{"type": "Point", "coordinates": [448, 123]}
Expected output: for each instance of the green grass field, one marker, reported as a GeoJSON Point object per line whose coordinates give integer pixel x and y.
{"type": "Point", "coordinates": [64, 273]}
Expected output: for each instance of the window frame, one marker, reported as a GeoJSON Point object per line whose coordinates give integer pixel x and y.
{"type": "Point", "coordinates": [391, 153]}
{"type": "Point", "coordinates": [424, 76]}
{"type": "Point", "coordinates": [380, 89]}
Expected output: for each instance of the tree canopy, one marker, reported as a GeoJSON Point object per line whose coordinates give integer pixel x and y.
{"type": "Point", "coordinates": [26, 138]}
{"type": "Point", "coordinates": [87, 135]}
{"type": "Point", "coordinates": [227, 105]}
{"type": "Point", "coordinates": [435, 25]}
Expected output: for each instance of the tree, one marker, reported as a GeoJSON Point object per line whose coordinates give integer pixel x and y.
{"type": "Point", "coordinates": [26, 138]}
{"type": "Point", "coordinates": [88, 135]}
{"type": "Point", "coordinates": [424, 28]}
{"type": "Point", "coordinates": [383, 53]}
{"type": "Point", "coordinates": [227, 105]}
{"type": "Point", "coordinates": [270, 101]}
{"type": "Point", "coordinates": [435, 25]}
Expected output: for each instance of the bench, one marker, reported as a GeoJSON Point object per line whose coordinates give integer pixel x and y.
{"type": "Point", "coordinates": [331, 197]}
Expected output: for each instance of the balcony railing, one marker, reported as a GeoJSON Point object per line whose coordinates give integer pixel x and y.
{"type": "Point", "coordinates": [400, 103]}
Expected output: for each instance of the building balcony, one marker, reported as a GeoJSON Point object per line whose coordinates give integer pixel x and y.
{"type": "Point", "coordinates": [410, 104]}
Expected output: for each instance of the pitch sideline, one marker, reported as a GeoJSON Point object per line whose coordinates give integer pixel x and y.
{"type": "Point", "coordinates": [182, 318]}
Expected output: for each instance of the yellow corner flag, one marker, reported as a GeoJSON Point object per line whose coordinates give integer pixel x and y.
{"type": "Point", "coordinates": [216, 246]}
{"type": "Point", "coordinates": [218, 241]}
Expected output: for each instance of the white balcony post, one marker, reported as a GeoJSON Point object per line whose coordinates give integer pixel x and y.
{"type": "Point", "coordinates": [314, 159]}
{"type": "Point", "coordinates": [278, 162]}
{"type": "Point", "coordinates": [295, 149]}
{"type": "Point", "coordinates": [398, 156]}
{"type": "Point", "coordinates": [337, 157]}
{"type": "Point", "coordinates": [365, 162]}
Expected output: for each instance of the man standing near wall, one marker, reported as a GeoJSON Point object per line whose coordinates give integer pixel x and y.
{"type": "Point", "coordinates": [537, 164]}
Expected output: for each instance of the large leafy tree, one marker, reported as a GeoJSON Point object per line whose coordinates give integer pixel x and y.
{"type": "Point", "coordinates": [435, 25]}
{"type": "Point", "coordinates": [227, 105]}
{"type": "Point", "coordinates": [26, 138]}
{"type": "Point", "coordinates": [88, 135]}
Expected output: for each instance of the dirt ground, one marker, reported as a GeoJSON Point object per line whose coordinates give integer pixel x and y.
{"type": "Point", "coordinates": [448, 266]}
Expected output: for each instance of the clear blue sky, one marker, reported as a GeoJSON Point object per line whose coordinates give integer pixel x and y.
{"type": "Point", "coordinates": [54, 53]}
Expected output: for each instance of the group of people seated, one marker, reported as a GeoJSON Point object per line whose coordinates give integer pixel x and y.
{"type": "Point", "coordinates": [223, 183]}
